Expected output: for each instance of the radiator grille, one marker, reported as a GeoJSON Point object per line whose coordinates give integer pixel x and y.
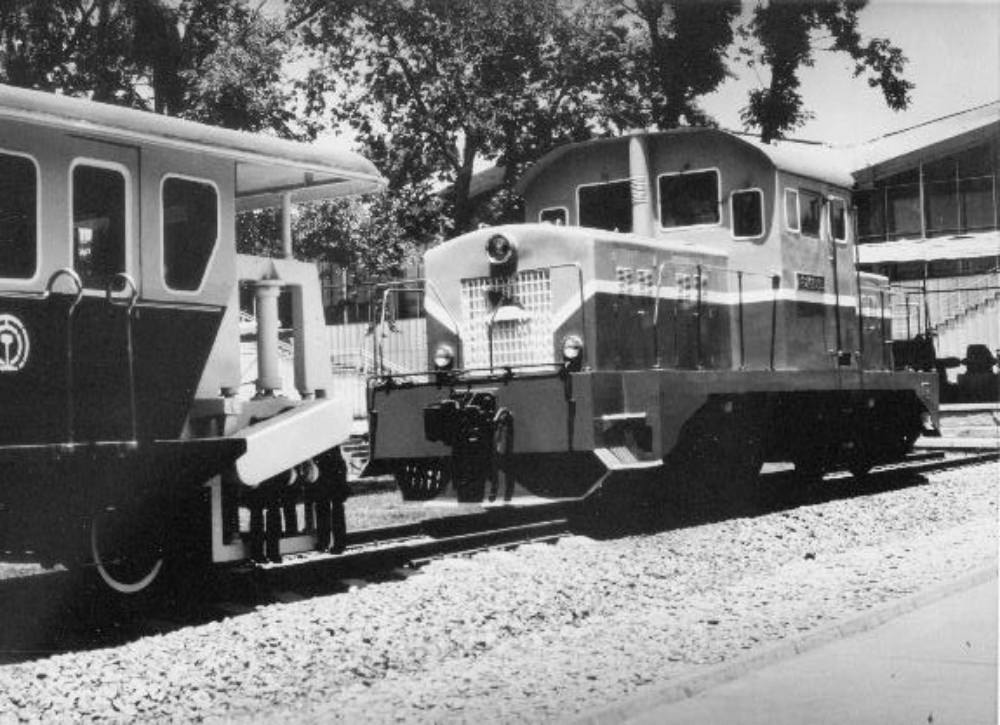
{"type": "Point", "coordinates": [523, 337]}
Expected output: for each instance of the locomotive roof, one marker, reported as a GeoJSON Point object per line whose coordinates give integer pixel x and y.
{"type": "Point", "coordinates": [812, 160]}
{"type": "Point", "coordinates": [267, 167]}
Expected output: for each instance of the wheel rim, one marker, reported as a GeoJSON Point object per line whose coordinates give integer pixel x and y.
{"type": "Point", "coordinates": [126, 558]}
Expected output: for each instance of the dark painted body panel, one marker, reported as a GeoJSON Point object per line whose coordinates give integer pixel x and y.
{"type": "Point", "coordinates": [170, 348]}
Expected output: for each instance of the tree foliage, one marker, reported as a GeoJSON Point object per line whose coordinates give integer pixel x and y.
{"type": "Point", "coordinates": [373, 236]}
{"type": "Point", "coordinates": [672, 54]}
{"type": "Point", "coordinates": [217, 61]}
{"type": "Point", "coordinates": [430, 86]}
{"type": "Point", "coordinates": [785, 34]}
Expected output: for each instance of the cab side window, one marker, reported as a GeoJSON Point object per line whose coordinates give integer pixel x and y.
{"type": "Point", "coordinates": [838, 219]}
{"type": "Point", "coordinates": [689, 199]}
{"type": "Point", "coordinates": [18, 217]}
{"type": "Point", "coordinates": [810, 212]}
{"type": "Point", "coordinates": [747, 212]}
{"type": "Point", "coordinates": [98, 224]}
{"type": "Point", "coordinates": [553, 215]}
{"type": "Point", "coordinates": [606, 206]}
{"type": "Point", "coordinates": [792, 210]}
{"type": "Point", "coordinates": [190, 231]}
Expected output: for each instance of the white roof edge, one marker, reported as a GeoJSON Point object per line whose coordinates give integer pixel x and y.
{"type": "Point", "coordinates": [89, 117]}
{"type": "Point", "coordinates": [816, 161]}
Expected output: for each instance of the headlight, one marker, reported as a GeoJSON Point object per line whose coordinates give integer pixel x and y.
{"type": "Point", "coordinates": [572, 351]}
{"type": "Point", "coordinates": [444, 357]}
{"type": "Point", "coordinates": [500, 249]}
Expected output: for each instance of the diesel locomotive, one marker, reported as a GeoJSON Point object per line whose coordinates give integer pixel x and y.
{"type": "Point", "coordinates": [124, 440]}
{"type": "Point", "coordinates": [678, 307]}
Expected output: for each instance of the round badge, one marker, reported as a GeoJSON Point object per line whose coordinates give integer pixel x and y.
{"type": "Point", "coordinates": [14, 344]}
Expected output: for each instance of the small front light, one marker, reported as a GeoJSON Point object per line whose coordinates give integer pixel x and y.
{"type": "Point", "coordinates": [444, 357]}
{"type": "Point", "coordinates": [500, 249]}
{"type": "Point", "coordinates": [572, 349]}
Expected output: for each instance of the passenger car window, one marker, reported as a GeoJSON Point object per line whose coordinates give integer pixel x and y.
{"type": "Point", "coordinates": [98, 224]}
{"type": "Point", "coordinates": [810, 208]}
{"type": "Point", "coordinates": [747, 211]}
{"type": "Point", "coordinates": [18, 217]}
{"type": "Point", "coordinates": [190, 231]}
{"type": "Point", "coordinates": [606, 206]}
{"type": "Point", "coordinates": [689, 198]}
{"type": "Point", "coordinates": [555, 215]}
{"type": "Point", "coordinates": [838, 219]}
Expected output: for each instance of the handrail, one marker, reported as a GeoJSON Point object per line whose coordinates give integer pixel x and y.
{"type": "Point", "coordinates": [77, 296]}
{"type": "Point", "coordinates": [128, 285]}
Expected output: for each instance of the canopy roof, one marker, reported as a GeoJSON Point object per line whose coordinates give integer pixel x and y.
{"type": "Point", "coordinates": [961, 246]}
{"type": "Point", "coordinates": [266, 167]}
{"type": "Point", "coordinates": [904, 149]}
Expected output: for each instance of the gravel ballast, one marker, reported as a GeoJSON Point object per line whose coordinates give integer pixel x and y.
{"type": "Point", "coordinates": [541, 633]}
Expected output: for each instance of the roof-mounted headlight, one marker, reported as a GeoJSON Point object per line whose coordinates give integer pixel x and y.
{"type": "Point", "coordinates": [501, 250]}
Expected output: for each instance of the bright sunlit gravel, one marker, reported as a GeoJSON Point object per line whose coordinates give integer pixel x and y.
{"type": "Point", "coordinates": [539, 633]}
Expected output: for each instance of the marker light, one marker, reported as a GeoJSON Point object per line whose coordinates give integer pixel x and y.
{"type": "Point", "coordinates": [444, 357]}
{"type": "Point", "coordinates": [500, 249]}
{"type": "Point", "coordinates": [572, 351]}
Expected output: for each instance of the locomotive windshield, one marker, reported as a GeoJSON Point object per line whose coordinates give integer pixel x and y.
{"type": "Point", "coordinates": [606, 206]}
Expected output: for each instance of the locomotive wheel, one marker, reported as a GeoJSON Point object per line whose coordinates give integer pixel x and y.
{"type": "Point", "coordinates": [422, 480]}
{"type": "Point", "coordinates": [127, 553]}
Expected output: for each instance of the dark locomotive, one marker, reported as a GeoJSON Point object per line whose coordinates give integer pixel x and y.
{"type": "Point", "coordinates": [124, 440]}
{"type": "Point", "coordinates": [679, 307]}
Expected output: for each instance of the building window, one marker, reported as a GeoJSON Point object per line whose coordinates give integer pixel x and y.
{"type": "Point", "coordinates": [747, 210]}
{"type": "Point", "coordinates": [606, 206]}
{"type": "Point", "coordinates": [190, 231]}
{"type": "Point", "coordinates": [838, 219]}
{"type": "Point", "coordinates": [18, 217]}
{"type": "Point", "coordinates": [689, 199]}
{"type": "Point", "coordinates": [99, 200]}
{"type": "Point", "coordinates": [554, 215]}
{"type": "Point", "coordinates": [810, 212]}
{"type": "Point", "coordinates": [792, 210]}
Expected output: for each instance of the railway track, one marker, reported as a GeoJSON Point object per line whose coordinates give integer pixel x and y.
{"type": "Point", "coordinates": [53, 612]}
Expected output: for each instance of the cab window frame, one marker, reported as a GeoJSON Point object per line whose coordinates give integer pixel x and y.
{"type": "Point", "coordinates": [609, 182]}
{"type": "Point", "coordinates": [719, 200]}
{"type": "Point", "coordinates": [163, 233]}
{"type": "Point", "coordinates": [35, 275]}
{"type": "Point", "coordinates": [732, 213]}
{"type": "Point", "coordinates": [128, 202]}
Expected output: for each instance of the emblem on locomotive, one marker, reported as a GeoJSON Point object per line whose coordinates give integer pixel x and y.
{"type": "Point", "coordinates": [14, 344]}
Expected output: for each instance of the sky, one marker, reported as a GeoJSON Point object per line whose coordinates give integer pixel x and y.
{"type": "Point", "coordinates": [953, 47]}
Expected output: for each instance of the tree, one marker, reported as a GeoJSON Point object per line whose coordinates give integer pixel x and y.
{"type": "Point", "coordinates": [217, 61]}
{"type": "Point", "coordinates": [677, 51]}
{"type": "Point", "coordinates": [786, 32]}
{"type": "Point", "coordinates": [430, 86]}
{"type": "Point", "coordinates": [672, 54]}
{"type": "Point", "coordinates": [375, 236]}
